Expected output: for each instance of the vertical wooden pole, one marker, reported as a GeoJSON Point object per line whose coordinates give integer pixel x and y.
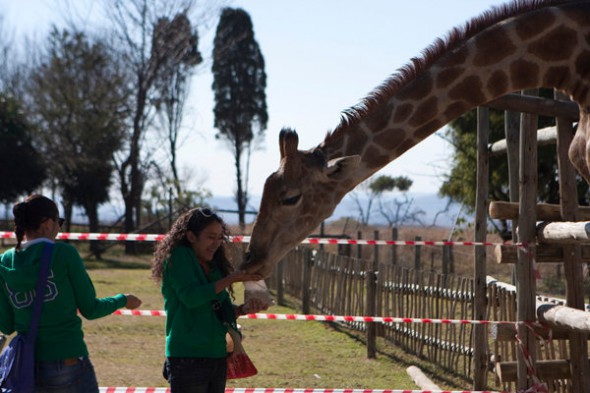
{"type": "Point", "coordinates": [512, 133]}
{"type": "Point", "coordinates": [479, 279]}
{"type": "Point", "coordinates": [394, 235]}
{"type": "Point", "coordinates": [418, 254]}
{"type": "Point", "coordinates": [527, 217]}
{"type": "Point", "coordinates": [371, 302]}
{"type": "Point", "coordinates": [280, 287]}
{"type": "Point", "coordinates": [568, 191]}
{"type": "Point", "coordinates": [305, 296]}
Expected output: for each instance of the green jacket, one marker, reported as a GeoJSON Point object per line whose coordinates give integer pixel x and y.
{"type": "Point", "coordinates": [192, 327]}
{"type": "Point", "coordinates": [69, 290]}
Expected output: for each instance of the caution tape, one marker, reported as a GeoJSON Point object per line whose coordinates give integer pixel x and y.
{"type": "Point", "coordinates": [289, 390]}
{"type": "Point", "coordinates": [150, 237]}
{"type": "Point", "coordinates": [329, 318]}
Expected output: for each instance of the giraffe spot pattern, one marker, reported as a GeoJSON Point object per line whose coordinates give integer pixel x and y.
{"type": "Point", "coordinates": [374, 157]}
{"type": "Point", "coordinates": [428, 128]}
{"type": "Point", "coordinates": [557, 44]}
{"type": "Point", "coordinates": [424, 112]}
{"type": "Point", "coordinates": [524, 74]}
{"type": "Point", "coordinates": [454, 109]}
{"type": "Point", "coordinates": [469, 90]}
{"type": "Point", "coordinates": [532, 25]}
{"type": "Point", "coordinates": [402, 112]}
{"type": "Point", "coordinates": [487, 45]}
{"type": "Point", "coordinates": [389, 137]}
{"type": "Point", "coordinates": [448, 76]}
{"type": "Point", "coordinates": [582, 65]}
{"type": "Point", "coordinates": [420, 88]}
{"type": "Point", "coordinates": [558, 77]}
{"type": "Point", "coordinates": [379, 117]}
{"type": "Point", "coordinates": [497, 83]}
{"type": "Point", "coordinates": [356, 140]}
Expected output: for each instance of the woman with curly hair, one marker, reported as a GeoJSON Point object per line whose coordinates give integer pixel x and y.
{"type": "Point", "coordinates": [196, 279]}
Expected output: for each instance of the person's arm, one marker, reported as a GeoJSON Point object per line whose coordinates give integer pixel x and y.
{"type": "Point", "coordinates": [89, 305]}
{"type": "Point", "coordinates": [237, 276]}
{"type": "Point", "coordinates": [193, 289]}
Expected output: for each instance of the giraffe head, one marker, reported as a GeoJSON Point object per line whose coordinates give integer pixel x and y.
{"type": "Point", "coordinates": [296, 199]}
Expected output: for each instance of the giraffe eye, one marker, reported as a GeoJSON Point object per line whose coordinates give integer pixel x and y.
{"type": "Point", "coordinates": [291, 200]}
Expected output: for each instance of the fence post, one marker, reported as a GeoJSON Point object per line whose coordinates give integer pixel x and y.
{"type": "Point", "coordinates": [280, 287]}
{"type": "Point", "coordinates": [371, 301]}
{"type": "Point", "coordinates": [418, 254]}
{"type": "Point", "coordinates": [394, 235]}
{"type": "Point", "coordinates": [305, 288]}
{"type": "Point", "coordinates": [359, 248]}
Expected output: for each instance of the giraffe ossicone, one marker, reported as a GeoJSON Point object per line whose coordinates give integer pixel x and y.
{"type": "Point", "coordinates": [516, 46]}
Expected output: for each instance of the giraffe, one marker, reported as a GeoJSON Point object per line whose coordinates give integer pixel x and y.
{"type": "Point", "coordinates": [516, 46]}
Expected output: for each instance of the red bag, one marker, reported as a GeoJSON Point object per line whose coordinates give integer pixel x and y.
{"type": "Point", "coordinates": [239, 364]}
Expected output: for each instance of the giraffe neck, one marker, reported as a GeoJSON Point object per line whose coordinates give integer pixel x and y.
{"type": "Point", "coordinates": [542, 48]}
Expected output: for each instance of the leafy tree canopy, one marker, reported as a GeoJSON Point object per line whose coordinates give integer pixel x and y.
{"type": "Point", "coordinates": [22, 169]}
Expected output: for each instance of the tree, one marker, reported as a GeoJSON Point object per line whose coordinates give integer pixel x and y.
{"type": "Point", "coordinates": [460, 185]}
{"type": "Point", "coordinates": [394, 211]}
{"type": "Point", "coordinates": [145, 55]}
{"type": "Point", "coordinates": [79, 95]}
{"type": "Point", "coordinates": [171, 85]}
{"type": "Point", "coordinates": [22, 169]}
{"type": "Point", "coordinates": [240, 100]}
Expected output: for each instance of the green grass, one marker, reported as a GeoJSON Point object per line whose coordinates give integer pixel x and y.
{"type": "Point", "coordinates": [129, 350]}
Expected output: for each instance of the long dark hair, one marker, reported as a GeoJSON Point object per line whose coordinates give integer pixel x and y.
{"type": "Point", "coordinates": [194, 220]}
{"type": "Point", "coordinates": [29, 214]}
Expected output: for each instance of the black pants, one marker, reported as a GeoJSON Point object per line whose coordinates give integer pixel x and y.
{"type": "Point", "coordinates": [196, 375]}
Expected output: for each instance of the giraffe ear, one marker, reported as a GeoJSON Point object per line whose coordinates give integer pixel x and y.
{"type": "Point", "coordinates": [340, 167]}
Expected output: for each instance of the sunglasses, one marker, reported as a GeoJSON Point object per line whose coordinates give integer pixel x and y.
{"type": "Point", "coordinates": [60, 221]}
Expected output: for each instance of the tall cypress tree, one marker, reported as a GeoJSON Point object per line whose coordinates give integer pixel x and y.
{"type": "Point", "coordinates": [239, 86]}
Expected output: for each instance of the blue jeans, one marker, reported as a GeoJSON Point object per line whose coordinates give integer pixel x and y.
{"type": "Point", "coordinates": [65, 376]}
{"type": "Point", "coordinates": [196, 375]}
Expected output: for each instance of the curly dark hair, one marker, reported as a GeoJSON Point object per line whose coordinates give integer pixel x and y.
{"type": "Point", "coordinates": [194, 220]}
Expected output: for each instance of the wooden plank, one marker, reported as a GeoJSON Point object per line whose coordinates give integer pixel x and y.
{"type": "Point", "coordinates": [546, 253]}
{"type": "Point", "coordinates": [502, 210]}
{"type": "Point", "coordinates": [525, 279]}
{"type": "Point", "coordinates": [564, 232]}
{"type": "Point", "coordinates": [545, 369]}
{"type": "Point", "coordinates": [480, 343]}
{"type": "Point", "coordinates": [536, 105]}
{"type": "Point", "coordinates": [545, 136]}
{"type": "Point", "coordinates": [506, 333]}
{"type": "Point", "coordinates": [563, 317]}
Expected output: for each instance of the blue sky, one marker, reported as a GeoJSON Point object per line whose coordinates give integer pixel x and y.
{"type": "Point", "coordinates": [322, 56]}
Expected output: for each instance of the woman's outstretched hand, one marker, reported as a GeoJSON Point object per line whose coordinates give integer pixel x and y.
{"type": "Point", "coordinates": [132, 301]}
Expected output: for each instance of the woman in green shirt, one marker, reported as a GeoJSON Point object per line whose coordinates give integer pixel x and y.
{"type": "Point", "coordinates": [62, 363]}
{"type": "Point", "coordinates": [196, 275]}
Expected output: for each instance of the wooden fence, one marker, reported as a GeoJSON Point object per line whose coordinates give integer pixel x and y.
{"type": "Point", "coordinates": [330, 284]}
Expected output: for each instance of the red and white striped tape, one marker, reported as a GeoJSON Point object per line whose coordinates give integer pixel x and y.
{"type": "Point", "coordinates": [329, 318]}
{"type": "Point", "coordinates": [288, 390]}
{"type": "Point", "coordinates": [148, 237]}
